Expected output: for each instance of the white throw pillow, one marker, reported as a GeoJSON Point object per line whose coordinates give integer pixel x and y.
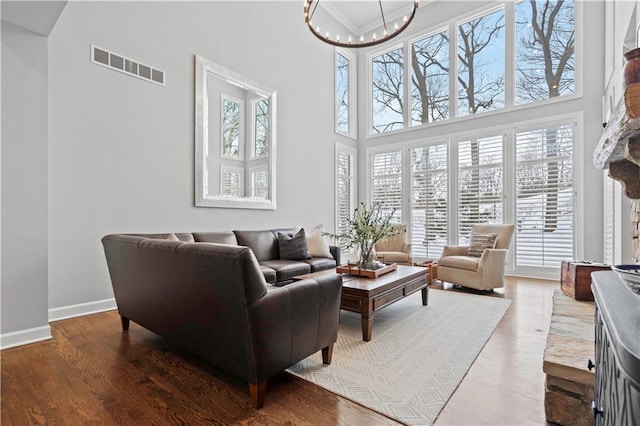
{"type": "Point", "coordinates": [317, 244]}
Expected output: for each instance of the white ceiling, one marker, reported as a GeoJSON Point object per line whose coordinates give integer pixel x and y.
{"type": "Point", "coordinates": [37, 16]}
{"type": "Point", "coordinates": [361, 16]}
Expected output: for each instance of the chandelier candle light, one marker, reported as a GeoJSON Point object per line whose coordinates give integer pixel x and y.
{"type": "Point", "coordinates": [310, 7]}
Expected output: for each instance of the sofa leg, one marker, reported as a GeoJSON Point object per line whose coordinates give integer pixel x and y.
{"type": "Point", "coordinates": [257, 392]}
{"type": "Point", "coordinates": [125, 323]}
{"type": "Point", "coordinates": [326, 354]}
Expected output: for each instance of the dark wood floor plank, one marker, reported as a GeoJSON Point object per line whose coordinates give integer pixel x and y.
{"type": "Point", "coordinates": [93, 373]}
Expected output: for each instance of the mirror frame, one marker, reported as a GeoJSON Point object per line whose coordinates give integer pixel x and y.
{"type": "Point", "coordinates": [203, 69]}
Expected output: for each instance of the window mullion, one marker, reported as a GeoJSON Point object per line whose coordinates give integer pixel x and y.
{"type": "Point", "coordinates": [510, 55]}
{"type": "Point", "coordinates": [453, 71]}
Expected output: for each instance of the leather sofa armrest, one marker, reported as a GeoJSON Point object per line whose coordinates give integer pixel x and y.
{"type": "Point", "coordinates": [292, 322]}
{"type": "Point", "coordinates": [455, 251]}
{"type": "Point", "coordinates": [336, 253]}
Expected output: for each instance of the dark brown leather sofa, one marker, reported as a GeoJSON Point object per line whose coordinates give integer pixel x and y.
{"type": "Point", "coordinates": [264, 245]}
{"type": "Point", "coordinates": [213, 300]}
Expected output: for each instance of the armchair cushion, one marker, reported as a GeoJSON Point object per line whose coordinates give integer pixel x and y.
{"type": "Point", "coordinates": [469, 263]}
{"type": "Point", "coordinates": [478, 243]}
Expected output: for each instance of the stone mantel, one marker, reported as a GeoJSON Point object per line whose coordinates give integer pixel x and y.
{"type": "Point", "coordinates": [619, 146]}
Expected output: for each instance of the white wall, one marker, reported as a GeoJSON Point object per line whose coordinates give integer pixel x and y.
{"type": "Point", "coordinates": [589, 201]}
{"type": "Point", "coordinates": [121, 149]}
{"type": "Point", "coordinates": [24, 186]}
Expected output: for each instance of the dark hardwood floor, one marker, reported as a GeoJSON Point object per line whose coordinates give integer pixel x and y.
{"type": "Point", "coordinates": [92, 373]}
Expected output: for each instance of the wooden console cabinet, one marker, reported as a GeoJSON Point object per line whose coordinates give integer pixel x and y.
{"type": "Point", "coordinates": [617, 352]}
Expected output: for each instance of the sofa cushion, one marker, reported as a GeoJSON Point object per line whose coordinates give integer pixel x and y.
{"type": "Point", "coordinates": [264, 244]}
{"type": "Point", "coordinates": [469, 263]}
{"type": "Point", "coordinates": [293, 248]}
{"type": "Point", "coordinates": [222, 237]}
{"type": "Point", "coordinates": [172, 237]}
{"type": "Point", "coordinates": [478, 243]}
{"type": "Point", "coordinates": [287, 269]}
{"type": "Point", "coordinates": [320, 263]}
{"type": "Point", "coordinates": [269, 274]}
{"type": "Point", "coordinates": [317, 244]}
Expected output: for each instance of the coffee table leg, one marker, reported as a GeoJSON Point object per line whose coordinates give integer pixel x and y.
{"type": "Point", "coordinates": [367, 327]}
{"type": "Point", "coordinates": [425, 296]}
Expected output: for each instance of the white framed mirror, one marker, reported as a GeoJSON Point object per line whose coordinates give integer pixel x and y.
{"type": "Point", "coordinates": [235, 137]}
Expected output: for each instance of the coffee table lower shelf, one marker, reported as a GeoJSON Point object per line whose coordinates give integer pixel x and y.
{"type": "Point", "coordinates": [368, 295]}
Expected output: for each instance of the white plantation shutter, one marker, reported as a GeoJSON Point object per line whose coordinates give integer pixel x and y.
{"type": "Point", "coordinates": [429, 200]}
{"type": "Point", "coordinates": [231, 181]}
{"type": "Point", "coordinates": [386, 180]}
{"type": "Point", "coordinates": [345, 191]}
{"type": "Point", "coordinates": [259, 185]}
{"type": "Point", "coordinates": [480, 184]}
{"type": "Point", "coordinates": [544, 191]}
{"type": "Point", "coordinates": [609, 220]}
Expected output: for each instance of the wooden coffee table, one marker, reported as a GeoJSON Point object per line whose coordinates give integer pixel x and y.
{"type": "Point", "coordinates": [368, 295]}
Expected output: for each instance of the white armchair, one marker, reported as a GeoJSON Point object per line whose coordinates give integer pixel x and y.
{"type": "Point", "coordinates": [485, 272]}
{"type": "Point", "coordinates": [395, 249]}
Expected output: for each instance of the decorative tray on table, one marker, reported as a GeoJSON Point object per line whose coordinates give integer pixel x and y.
{"type": "Point", "coordinates": [369, 273]}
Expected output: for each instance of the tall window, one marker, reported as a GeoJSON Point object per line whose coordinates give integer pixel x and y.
{"type": "Point", "coordinates": [261, 128]}
{"type": "Point", "coordinates": [544, 191]}
{"type": "Point", "coordinates": [545, 44]}
{"type": "Point", "coordinates": [481, 64]}
{"type": "Point", "coordinates": [387, 92]}
{"type": "Point", "coordinates": [386, 181]}
{"type": "Point", "coordinates": [466, 69]}
{"type": "Point", "coordinates": [232, 125]}
{"type": "Point", "coordinates": [480, 184]}
{"type": "Point", "coordinates": [430, 79]}
{"type": "Point", "coordinates": [342, 93]}
{"type": "Point", "coordinates": [429, 200]}
{"type": "Point", "coordinates": [345, 189]}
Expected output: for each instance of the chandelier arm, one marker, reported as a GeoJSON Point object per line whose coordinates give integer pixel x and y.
{"type": "Point", "coordinates": [314, 9]}
{"type": "Point", "coordinates": [384, 22]}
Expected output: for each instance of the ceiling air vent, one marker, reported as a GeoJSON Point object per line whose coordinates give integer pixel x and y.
{"type": "Point", "coordinates": [125, 65]}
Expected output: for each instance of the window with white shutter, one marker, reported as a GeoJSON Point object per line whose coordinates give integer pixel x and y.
{"type": "Point", "coordinates": [429, 200]}
{"type": "Point", "coordinates": [232, 181]}
{"type": "Point", "coordinates": [345, 189]}
{"type": "Point", "coordinates": [480, 184]}
{"type": "Point", "coordinates": [259, 183]}
{"type": "Point", "coordinates": [386, 181]}
{"type": "Point", "coordinates": [544, 196]}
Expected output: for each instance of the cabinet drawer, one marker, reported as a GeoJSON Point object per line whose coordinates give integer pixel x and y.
{"type": "Point", "coordinates": [387, 298]}
{"type": "Point", "coordinates": [413, 286]}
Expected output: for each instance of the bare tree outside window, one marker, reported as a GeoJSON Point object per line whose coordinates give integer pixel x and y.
{"type": "Point", "coordinates": [342, 93]}
{"type": "Point", "coordinates": [230, 128]}
{"type": "Point", "coordinates": [545, 45]}
{"type": "Point", "coordinates": [481, 64]}
{"type": "Point", "coordinates": [261, 147]}
{"type": "Point", "coordinates": [430, 79]}
{"type": "Point", "coordinates": [387, 93]}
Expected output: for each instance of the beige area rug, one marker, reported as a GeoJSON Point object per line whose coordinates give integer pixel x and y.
{"type": "Point", "coordinates": [417, 356]}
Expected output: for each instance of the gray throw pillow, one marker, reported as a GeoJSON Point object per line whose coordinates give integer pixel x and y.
{"type": "Point", "coordinates": [479, 242]}
{"type": "Point", "coordinates": [295, 247]}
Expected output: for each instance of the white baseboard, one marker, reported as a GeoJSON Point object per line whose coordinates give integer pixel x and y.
{"type": "Point", "coordinates": [23, 337]}
{"type": "Point", "coordinates": [71, 311]}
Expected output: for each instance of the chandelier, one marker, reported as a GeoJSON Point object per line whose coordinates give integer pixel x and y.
{"type": "Point", "coordinates": [310, 7]}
